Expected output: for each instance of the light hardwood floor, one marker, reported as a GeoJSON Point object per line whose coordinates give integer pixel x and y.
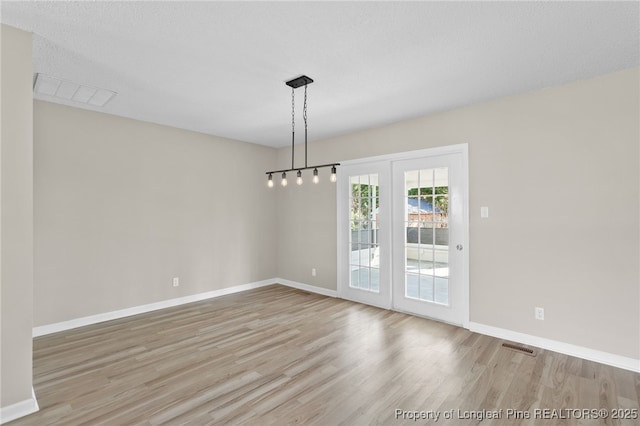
{"type": "Point", "coordinates": [276, 355]}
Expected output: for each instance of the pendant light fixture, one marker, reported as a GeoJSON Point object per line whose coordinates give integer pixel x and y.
{"type": "Point", "coordinates": [294, 84]}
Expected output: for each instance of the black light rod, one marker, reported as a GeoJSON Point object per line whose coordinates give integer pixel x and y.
{"type": "Point", "coordinates": [293, 126]}
{"type": "Point", "coordinates": [302, 168]}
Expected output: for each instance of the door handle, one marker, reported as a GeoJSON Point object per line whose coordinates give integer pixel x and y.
{"type": "Point", "coordinates": [459, 247]}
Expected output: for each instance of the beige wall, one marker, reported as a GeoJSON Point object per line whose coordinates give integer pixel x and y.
{"type": "Point", "coordinates": [558, 169]}
{"type": "Point", "coordinates": [17, 217]}
{"type": "Point", "coordinates": [123, 206]}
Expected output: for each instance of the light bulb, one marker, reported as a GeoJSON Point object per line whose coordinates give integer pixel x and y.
{"type": "Point", "coordinates": [333, 176]}
{"type": "Point", "coordinates": [316, 179]}
{"type": "Point", "coordinates": [283, 182]}
{"type": "Point", "coordinates": [299, 178]}
{"type": "Point", "coordinates": [270, 181]}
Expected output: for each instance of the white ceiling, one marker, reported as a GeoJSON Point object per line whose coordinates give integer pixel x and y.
{"type": "Point", "coordinates": [220, 67]}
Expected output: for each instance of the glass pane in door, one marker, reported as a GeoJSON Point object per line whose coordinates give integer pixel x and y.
{"type": "Point", "coordinates": [364, 205]}
{"type": "Point", "coordinates": [427, 235]}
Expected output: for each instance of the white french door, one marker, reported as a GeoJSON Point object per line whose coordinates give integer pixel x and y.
{"type": "Point", "coordinates": [402, 233]}
{"type": "Point", "coordinates": [363, 233]}
{"type": "Point", "coordinates": [429, 238]}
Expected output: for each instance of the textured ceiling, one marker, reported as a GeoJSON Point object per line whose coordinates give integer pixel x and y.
{"type": "Point", "coordinates": [220, 67]}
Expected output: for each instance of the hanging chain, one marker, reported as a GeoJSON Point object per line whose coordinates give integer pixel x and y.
{"type": "Point", "coordinates": [304, 110]}
{"type": "Point", "coordinates": [293, 110]}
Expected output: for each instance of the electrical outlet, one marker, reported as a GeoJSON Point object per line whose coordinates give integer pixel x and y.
{"type": "Point", "coordinates": [176, 281]}
{"type": "Point", "coordinates": [539, 313]}
{"type": "Point", "coordinates": [313, 272]}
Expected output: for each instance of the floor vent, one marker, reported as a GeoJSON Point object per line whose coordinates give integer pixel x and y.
{"type": "Point", "coordinates": [520, 349]}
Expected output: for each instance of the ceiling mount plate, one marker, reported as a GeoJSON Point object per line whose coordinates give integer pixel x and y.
{"type": "Point", "coordinates": [299, 81]}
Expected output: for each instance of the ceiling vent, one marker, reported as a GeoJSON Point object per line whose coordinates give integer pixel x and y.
{"type": "Point", "coordinates": [70, 91]}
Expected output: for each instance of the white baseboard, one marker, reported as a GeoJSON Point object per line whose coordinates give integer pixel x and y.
{"type": "Point", "coordinates": [108, 316]}
{"type": "Point", "coordinates": [19, 409]}
{"type": "Point", "coordinates": [557, 346]}
{"type": "Point", "coordinates": [306, 287]}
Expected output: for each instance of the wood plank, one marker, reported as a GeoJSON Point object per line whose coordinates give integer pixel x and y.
{"type": "Point", "coordinates": [277, 355]}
